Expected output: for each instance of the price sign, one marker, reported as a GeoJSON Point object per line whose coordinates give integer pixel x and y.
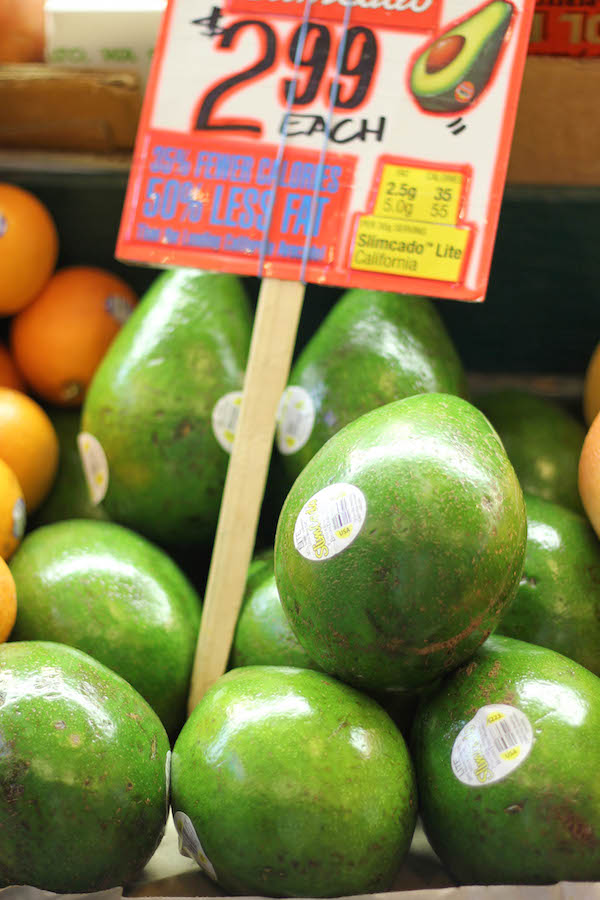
{"type": "Point", "coordinates": [346, 142]}
{"type": "Point", "coordinates": [358, 145]}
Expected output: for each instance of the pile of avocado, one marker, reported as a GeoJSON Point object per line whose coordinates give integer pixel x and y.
{"type": "Point", "coordinates": [419, 636]}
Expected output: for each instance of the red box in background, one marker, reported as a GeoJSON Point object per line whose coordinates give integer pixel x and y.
{"type": "Point", "coordinates": [566, 28]}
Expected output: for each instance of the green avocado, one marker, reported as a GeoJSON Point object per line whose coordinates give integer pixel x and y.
{"type": "Point", "coordinates": [151, 401]}
{"type": "Point", "coordinates": [543, 441]}
{"type": "Point", "coordinates": [288, 783]}
{"type": "Point", "coordinates": [83, 772]}
{"type": "Point", "coordinates": [111, 593]}
{"type": "Point", "coordinates": [373, 347]}
{"type": "Point", "coordinates": [507, 757]}
{"type": "Point", "coordinates": [263, 635]}
{"type": "Point", "coordinates": [69, 497]}
{"type": "Point", "coordinates": [558, 600]}
{"type": "Point", "coordinates": [401, 543]}
{"type": "Point", "coordinates": [450, 73]}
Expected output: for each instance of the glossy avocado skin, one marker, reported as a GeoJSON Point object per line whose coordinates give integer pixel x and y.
{"type": "Point", "coordinates": [83, 793]}
{"type": "Point", "coordinates": [438, 557]}
{"type": "Point", "coordinates": [263, 635]}
{"type": "Point", "coordinates": [296, 785]}
{"type": "Point", "coordinates": [111, 593]}
{"type": "Point", "coordinates": [541, 823]}
{"type": "Point", "coordinates": [69, 497]}
{"type": "Point", "coordinates": [558, 601]}
{"type": "Point", "coordinates": [151, 400]}
{"type": "Point", "coordinates": [543, 442]}
{"type": "Point", "coordinates": [374, 347]}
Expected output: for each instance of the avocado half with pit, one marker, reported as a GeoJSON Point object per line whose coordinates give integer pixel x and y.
{"type": "Point", "coordinates": [453, 71]}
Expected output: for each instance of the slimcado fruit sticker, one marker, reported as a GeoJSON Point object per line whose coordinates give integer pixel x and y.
{"type": "Point", "coordinates": [450, 73]}
{"type": "Point", "coordinates": [496, 740]}
{"type": "Point", "coordinates": [330, 521]}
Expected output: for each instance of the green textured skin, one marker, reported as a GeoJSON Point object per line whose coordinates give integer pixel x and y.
{"type": "Point", "coordinates": [83, 793]}
{"type": "Point", "coordinates": [438, 558]}
{"type": "Point", "coordinates": [543, 442]}
{"type": "Point", "coordinates": [484, 34]}
{"type": "Point", "coordinates": [263, 636]}
{"type": "Point", "coordinates": [151, 399]}
{"type": "Point", "coordinates": [374, 347]}
{"type": "Point", "coordinates": [541, 823]}
{"type": "Point", "coordinates": [296, 785]}
{"type": "Point", "coordinates": [111, 593]}
{"type": "Point", "coordinates": [69, 497]}
{"type": "Point", "coordinates": [558, 600]}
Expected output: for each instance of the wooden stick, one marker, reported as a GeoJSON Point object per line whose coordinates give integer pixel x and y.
{"type": "Point", "coordinates": [271, 349]}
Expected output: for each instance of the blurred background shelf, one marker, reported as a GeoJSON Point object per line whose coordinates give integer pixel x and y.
{"type": "Point", "coordinates": [556, 141]}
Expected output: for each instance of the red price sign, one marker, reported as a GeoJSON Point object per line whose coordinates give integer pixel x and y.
{"type": "Point", "coordinates": [361, 145]}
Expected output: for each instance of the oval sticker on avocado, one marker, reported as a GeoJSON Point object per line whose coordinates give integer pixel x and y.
{"type": "Point", "coordinates": [296, 419]}
{"type": "Point", "coordinates": [494, 743]}
{"type": "Point", "coordinates": [330, 521]}
{"type": "Point", "coordinates": [95, 465]}
{"type": "Point", "coordinates": [189, 844]}
{"type": "Point", "coordinates": [225, 415]}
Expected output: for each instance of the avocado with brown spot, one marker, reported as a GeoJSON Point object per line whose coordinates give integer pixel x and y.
{"type": "Point", "coordinates": [389, 567]}
{"type": "Point", "coordinates": [110, 592]}
{"type": "Point", "coordinates": [543, 441]}
{"type": "Point", "coordinates": [374, 347]}
{"type": "Point", "coordinates": [151, 400]}
{"type": "Point", "coordinates": [82, 808]}
{"type": "Point", "coordinates": [288, 783]}
{"type": "Point", "coordinates": [69, 497]}
{"type": "Point", "coordinates": [507, 767]}
{"type": "Point", "coordinates": [263, 635]}
{"type": "Point", "coordinates": [557, 604]}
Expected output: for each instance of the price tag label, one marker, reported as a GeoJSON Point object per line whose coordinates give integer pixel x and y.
{"type": "Point", "coordinates": [359, 146]}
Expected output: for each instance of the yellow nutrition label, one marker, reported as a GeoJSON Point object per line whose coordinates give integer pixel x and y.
{"type": "Point", "coordinates": [419, 195]}
{"type": "Point", "coordinates": [413, 228]}
{"type": "Point", "coordinates": [420, 250]}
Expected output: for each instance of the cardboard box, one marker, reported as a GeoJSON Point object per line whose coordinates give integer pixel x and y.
{"type": "Point", "coordinates": [117, 34]}
{"type": "Point", "coordinates": [557, 132]}
{"type": "Point", "coordinates": [61, 109]}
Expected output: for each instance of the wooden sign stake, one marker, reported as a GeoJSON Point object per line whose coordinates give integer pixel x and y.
{"type": "Point", "coordinates": [271, 348]}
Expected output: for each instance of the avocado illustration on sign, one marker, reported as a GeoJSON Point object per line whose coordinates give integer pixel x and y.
{"type": "Point", "coordinates": [453, 70]}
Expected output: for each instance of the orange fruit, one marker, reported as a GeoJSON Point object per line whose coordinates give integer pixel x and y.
{"type": "Point", "coordinates": [21, 31]}
{"type": "Point", "coordinates": [28, 247]}
{"type": "Point", "coordinates": [8, 601]}
{"type": "Point", "coordinates": [589, 474]}
{"type": "Point", "coordinates": [591, 388]}
{"type": "Point", "coordinates": [59, 339]}
{"type": "Point", "coordinates": [9, 374]}
{"type": "Point", "coordinates": [12, 516]}
{"type": "Point", "coordinates": [28, 444]}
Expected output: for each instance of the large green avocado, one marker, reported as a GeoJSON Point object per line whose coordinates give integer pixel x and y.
{"type": "Point", "coordinates": [507, 756]}
{"type": "Point", "coordinates": [374, 347]}
{"type": "Point", "coordinates": [543, 441]}
{"type": "Point", "coordinates": [83, 772]}
{"type": "Point", "coordinates": [263, 635]}
{"type": "Point", "coordinates": [558, 601]}
{"type": "Point", "coordinates": [401, 543]}
{"type": "Point", "coordinates": [69, 497]}
{"type": "Point", "coordinates": [288, 783]}
{"type": "Point", "coordinates": [111, 593]}
{"type": "Point", "coordinates": [453, 70]}
{"type": "Point", "coordinates": [151, 401]}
